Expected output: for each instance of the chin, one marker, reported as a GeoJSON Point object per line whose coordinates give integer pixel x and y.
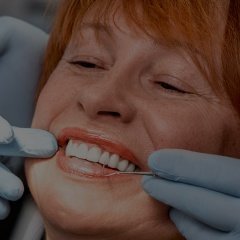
{"type": "Point", "coordinates": [84, 205]}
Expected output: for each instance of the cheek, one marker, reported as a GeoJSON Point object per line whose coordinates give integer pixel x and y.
{"type": "Point", "coordinates": [190, 128]}
{"type": "Point", "coordinates": [56, 96]}
{"type": "Point", "coordinates": [34, 171]}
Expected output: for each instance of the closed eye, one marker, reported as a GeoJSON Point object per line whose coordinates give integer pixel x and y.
{"type": "Point", "coordinates": [86, 64]}
{"type": "Point", "coordinates": [169, 87]}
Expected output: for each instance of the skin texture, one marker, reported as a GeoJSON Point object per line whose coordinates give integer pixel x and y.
{"type": "Point", "coordinates": [128, 78]}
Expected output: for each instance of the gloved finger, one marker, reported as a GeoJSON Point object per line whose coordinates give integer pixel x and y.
{"type": "Point", "coordinates": [191, 229]}
{"type": "Point", "coordinates": [30, 142]}
{"type": "Point", "coordinates": [4, 209]}
{"type": "Point", "coordinates": [11, 187]}
{"type": "Point", "coordinates": [210, 171]}
{"type": "Point", "coordinates": [212, 208]}
{"type": "Point", "coordinates": [6, 132]}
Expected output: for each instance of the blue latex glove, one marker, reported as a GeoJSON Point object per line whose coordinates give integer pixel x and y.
{"type": "Point", "coordinates": [24, 142]}
{"type": "Point", "coordinates": [202, 189]}
{"type": "Point", "coordinates": [21, 52]}
{"type": "Point", "coordinates": [22, 48]}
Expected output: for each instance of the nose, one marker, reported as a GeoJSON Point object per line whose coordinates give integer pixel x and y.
{"type": "Point", "coordinates": [108, 100]}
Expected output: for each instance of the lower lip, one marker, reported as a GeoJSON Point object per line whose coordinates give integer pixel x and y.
{"type": "Point", "coordinates": [83, 168]}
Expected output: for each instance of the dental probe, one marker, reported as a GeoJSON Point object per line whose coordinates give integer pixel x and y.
{"type": "Point", "coordinates": [132, 173]}
{"type": "Point", "coordinates": [138, 173]}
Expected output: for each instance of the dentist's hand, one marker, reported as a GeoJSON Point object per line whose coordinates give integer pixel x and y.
{"type": "Point", "coordinates": [23, 142]}
{"type": "Point", "coordinates": [22, 48]}
{"type": "Point", "coordinates": [202, 189]}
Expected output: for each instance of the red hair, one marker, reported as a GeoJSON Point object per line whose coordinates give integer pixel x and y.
{"type": "Point", "coordinates": [164, 20]}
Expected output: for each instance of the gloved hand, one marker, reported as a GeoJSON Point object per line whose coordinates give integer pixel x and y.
{"type": "Point", "coordinates": [22, 48]}
{"type": "Point", "coordinates": [21, 52]}
{"type": "Point", "coordinates": [25, 142]}
{"type": "Point", "coordinates": [202, 189]}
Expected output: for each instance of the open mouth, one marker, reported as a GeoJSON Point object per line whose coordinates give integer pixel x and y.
{"type": "Point", "coordinates": [83, 153]}
{"type": "Point", "coordinates": [95, 154]}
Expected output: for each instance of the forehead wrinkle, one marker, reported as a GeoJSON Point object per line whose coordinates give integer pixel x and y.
{"type": "Point", "coordinates": [98, 28]}
{"type": "Point", "coordinates": [181, 45]}
{"type": "Point", "coordinates": [185, 49]}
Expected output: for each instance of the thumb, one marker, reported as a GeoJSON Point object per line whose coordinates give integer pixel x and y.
{"type": "Point", "coordinates": [29, 142]}
{"type": "Point", "coordinates": [32, 142]}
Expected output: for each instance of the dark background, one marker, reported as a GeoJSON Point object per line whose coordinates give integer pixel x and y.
{"type": "Point", "coordinates": [36, 12]}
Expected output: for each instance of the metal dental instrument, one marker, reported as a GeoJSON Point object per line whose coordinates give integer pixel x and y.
{"type": "Point", "coordinates": [139, 173]}
{"type": "Point", "coordinates": [133, 173]}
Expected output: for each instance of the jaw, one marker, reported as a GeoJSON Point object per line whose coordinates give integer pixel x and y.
{"type": "Point", "coordinates": [76, 208]}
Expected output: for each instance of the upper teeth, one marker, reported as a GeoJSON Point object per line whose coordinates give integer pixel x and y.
{"type": "Point", "coordinates": [97, 155]}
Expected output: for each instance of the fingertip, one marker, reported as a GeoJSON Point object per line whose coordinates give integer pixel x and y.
{"type": "Point", "coordinates": [159, 156]}
{"type": "Point", "coordinates": [12, 188]}
{"type": "Point", "coordinates": [6, 132]}
{"type": "Point", "coordinates": [15, 191]}
{"type": "Point", "coordinates": [50, 147]}
{"type": "Point", "coordinates": [54, 146]}
{"type": "Point", "coordinates": [154, 156]}
{"type": "Point", "coordinates": [164, 162]}
{"type": "Point", "coordinates": [145, 180]}
{"type": "Point", "coordinates": [146, 183]}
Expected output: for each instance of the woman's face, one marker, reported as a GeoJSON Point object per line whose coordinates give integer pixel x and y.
{"type": "Point", "coordinates": [121, 95]}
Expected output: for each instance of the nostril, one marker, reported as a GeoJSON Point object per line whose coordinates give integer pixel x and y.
{"type": "Point", "coordinates": [106, 113]}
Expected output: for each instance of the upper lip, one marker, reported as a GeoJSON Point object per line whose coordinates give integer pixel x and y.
{"type": "Point", "coordinates": [95, 138]}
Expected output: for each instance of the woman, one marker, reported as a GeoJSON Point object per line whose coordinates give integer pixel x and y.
{"type": "Point", "coordinates": [122, 79]}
